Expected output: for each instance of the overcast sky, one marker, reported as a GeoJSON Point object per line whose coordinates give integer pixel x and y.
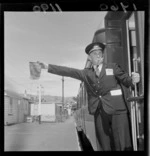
{"type": "Point", "coordinates": [54, 37]}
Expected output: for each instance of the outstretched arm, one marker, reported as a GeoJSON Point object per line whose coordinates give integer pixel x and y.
{"type": "Point", "coordinates": [63, 71]}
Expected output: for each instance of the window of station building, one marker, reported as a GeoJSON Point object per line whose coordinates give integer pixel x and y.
{"type": "Point", "coordinates": [10, 108]}
{"type": "Point", "coordinates": [26, 105]}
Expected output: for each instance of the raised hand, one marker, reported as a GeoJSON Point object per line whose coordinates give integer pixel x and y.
{"type": "Point", "coordinates": [43, 65]}
{"type": "Point", "coordinates": [135, 77]}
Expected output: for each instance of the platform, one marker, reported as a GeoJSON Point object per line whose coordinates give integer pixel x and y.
{"type": "Point", "coordinates": [60, 136]}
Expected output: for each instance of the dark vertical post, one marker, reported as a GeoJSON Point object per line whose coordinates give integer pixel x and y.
{"type": "Point", "coordinates": [39, 107]}
{"type": "Point", "coordinates": [62, 96]}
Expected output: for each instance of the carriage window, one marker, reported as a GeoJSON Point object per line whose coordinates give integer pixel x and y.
{"type": "Point", "coordinates": [19, 102]}
{"type": "Point", "coordinates": [85, 97]}
{"type": "Point", "coordinates": [26, 106]}
{"type": "Point", "coordinates": [132, 40]}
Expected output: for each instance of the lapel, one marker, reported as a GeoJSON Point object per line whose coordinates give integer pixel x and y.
{"type": "Point", "coordinates": [102, 71]}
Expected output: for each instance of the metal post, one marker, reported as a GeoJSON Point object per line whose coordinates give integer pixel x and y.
{"type": "Point", "coordinates": [63, 96]}
{"type": "Point", "coordinates": [138, 113]}
{"type": "Point", "coordinates": [39, 108]}
{"type": "Point", "coordinates": [133, 118]}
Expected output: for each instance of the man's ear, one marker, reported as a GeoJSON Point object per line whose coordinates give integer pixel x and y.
{"type": "Point", "coordinates": [89, 58]}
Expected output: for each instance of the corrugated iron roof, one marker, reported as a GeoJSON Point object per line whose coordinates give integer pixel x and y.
{"type": "Point", "coordinates": [14, 94]}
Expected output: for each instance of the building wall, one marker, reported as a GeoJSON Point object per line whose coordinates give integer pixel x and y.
{"type": "Point", "coordinates": [8, 113]}
{"type": "Point", "coordinates": [34, 109]}
{"type": "Point", "coordinates": [15, 109]}
{"type": "Point", "coordinates": [50, 112]}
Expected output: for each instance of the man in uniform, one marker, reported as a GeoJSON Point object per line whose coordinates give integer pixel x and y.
{"type": "Point", "coordinates": [105, 97]}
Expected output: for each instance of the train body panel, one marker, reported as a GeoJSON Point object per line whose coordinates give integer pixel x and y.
{"type": "Point", "coordinates": [90, 128]}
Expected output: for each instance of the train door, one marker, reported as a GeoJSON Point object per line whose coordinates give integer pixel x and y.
{"type": "Point", "coordinates": [135, 48]}
{"type": "Point", "coordinates": [125, 46]}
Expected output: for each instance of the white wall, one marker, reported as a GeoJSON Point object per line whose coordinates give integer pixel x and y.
{"type": "Point", "coordinates": [34, 109]}
{"type": "Point", "coordinates": [69, 111]}
{"type": "Point", "coordinates": [48, 112]}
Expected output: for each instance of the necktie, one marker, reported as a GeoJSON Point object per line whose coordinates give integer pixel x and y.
{"type": "Point", "coordinates": [97, 71]}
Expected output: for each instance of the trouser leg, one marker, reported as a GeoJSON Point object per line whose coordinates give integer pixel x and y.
{"type": "Point", "coordinates": [113, 131]}
{"type": "Point", "coordinates": [121, 132]}
{"type": "Point", "coordinates": [103, 130]}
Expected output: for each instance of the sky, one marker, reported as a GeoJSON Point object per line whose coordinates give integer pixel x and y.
{"type": "Point", "coordinates": [53, 37]}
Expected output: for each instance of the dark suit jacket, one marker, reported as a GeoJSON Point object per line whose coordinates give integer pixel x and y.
{"type": "Point", "coordinates": [110, 78]}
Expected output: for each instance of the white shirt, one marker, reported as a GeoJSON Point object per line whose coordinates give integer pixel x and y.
{"type": "Point", "coordinates": [99, 67]}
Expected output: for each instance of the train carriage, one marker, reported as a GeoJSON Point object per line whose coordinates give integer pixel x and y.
{"type": "Point", "coordinates": [123, 34]}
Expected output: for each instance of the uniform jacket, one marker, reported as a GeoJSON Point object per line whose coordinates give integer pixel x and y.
{"type": "Point", "coordinates": [107, 86]}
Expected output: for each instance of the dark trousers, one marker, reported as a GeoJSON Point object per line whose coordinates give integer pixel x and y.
{"type": "Point", "coordinates": [113, 132]}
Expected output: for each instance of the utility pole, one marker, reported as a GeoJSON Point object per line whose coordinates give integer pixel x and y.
{"type": "Point", "coordinates": [39, 106]}
{"type": "Point", "coordinates": [62, 95]}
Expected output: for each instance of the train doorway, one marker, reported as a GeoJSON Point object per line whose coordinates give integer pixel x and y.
{"type": "Point", "coordinates": [135, 48]}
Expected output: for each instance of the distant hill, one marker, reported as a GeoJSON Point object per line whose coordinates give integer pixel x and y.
{"type": "Point", "coordinates": [57, 99]}
{"type": "Point", "coordinates": [14, 88]}
{"type": "Point", "coordinates": [53, 99]}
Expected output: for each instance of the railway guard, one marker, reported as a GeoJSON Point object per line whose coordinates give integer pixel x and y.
{"type": "Point", "coordinates": [105, 97]}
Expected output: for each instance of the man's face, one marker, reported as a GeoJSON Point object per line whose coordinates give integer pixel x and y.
{"type": "Point", "coordinates": [96, 57]}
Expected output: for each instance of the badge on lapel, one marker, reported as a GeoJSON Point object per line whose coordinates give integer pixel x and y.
{"type": "Point", "coordinates": [116, 92]}
{"type": "Point", "coordinates": [109, 72]}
